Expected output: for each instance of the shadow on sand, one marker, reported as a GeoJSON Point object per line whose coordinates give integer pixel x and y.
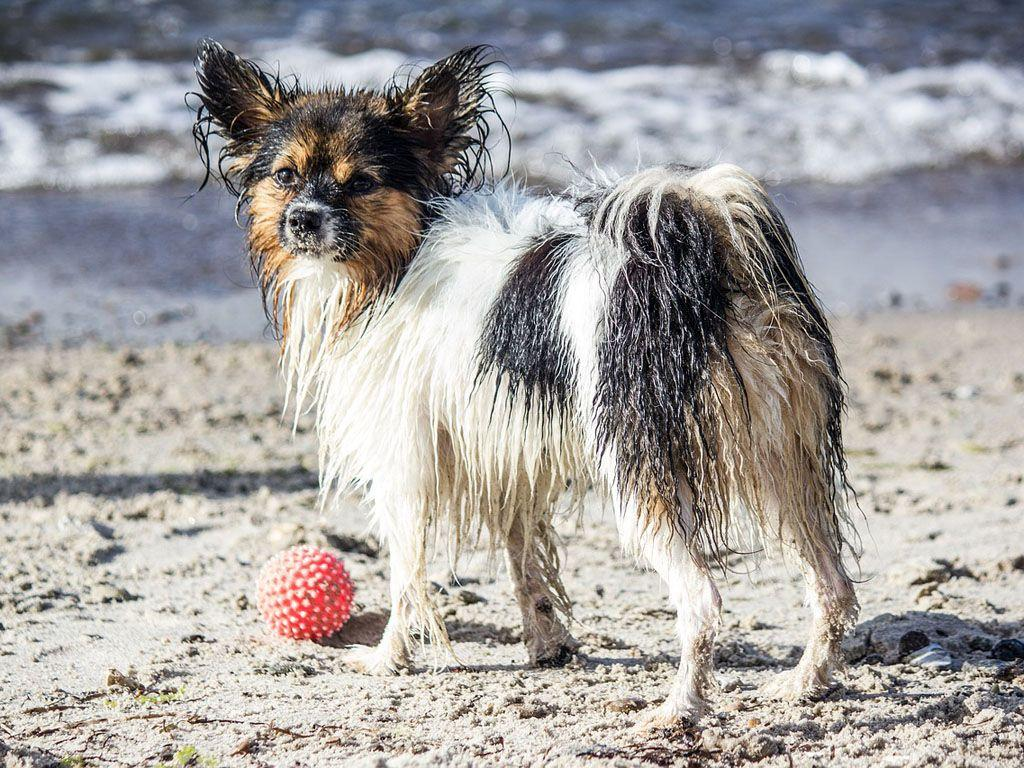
{"type": "Point", "coordinates": [211, 483]}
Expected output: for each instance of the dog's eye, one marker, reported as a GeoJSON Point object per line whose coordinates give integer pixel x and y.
{"type": "Point", "coordinates": [361, 185]}
{"type": "Point", "coordinates": [285, 177]}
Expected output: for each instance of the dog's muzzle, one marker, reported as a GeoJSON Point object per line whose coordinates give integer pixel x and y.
{"type": "Point", "coordinates": [307, 226]}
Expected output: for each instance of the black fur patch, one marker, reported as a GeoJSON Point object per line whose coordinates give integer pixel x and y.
{"type": "Point", "coordinates": [522, 337]}
{"type": "Point", "coordinates": [665, 334]}
{"type": "Point", "coordinates": [665, 326]}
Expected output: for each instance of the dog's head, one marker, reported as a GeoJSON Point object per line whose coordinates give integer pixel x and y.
{"type": "Point", "coordinates": [337, 175]}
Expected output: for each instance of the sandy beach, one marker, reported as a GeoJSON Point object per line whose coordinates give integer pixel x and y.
{"type": "Point", "coordinates": [141, 489]}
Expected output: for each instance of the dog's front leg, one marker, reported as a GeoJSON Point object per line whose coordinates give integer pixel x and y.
{"type": "Point", "coordinates": [391, 654]}
{"type": "Point", "coordinates": [412, 604]}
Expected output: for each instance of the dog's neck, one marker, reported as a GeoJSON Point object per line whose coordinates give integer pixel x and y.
{"type": "Point", "coordinates": [318, 322]}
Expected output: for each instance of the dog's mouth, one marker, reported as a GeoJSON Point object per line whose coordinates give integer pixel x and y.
{"type": "Point", "coordinates": [324, 253]}
{"type": "Point", "coordinates": [315, 251]}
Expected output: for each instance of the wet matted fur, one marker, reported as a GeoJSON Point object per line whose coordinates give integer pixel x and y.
{"type": "Point", "coordinates": [478, 356]}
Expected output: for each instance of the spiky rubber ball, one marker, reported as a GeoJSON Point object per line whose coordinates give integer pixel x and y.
{"type": "Point", "coordinates": [304, 593]}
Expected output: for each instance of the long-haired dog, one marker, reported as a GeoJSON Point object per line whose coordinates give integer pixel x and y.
{"type": "Point", "coordinates": [476, 355]}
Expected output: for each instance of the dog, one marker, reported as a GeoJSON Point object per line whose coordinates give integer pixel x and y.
{"type": "Point", "coordinates": [478, 355]}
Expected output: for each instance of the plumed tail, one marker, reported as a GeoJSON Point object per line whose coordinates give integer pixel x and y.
{"type": "Point", "coordinates": [719, 388]}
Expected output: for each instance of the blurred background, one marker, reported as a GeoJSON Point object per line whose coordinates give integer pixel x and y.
{"type": "Point", "coordinates": [891, 133]}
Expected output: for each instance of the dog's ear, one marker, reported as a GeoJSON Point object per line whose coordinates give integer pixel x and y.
{"type": "Point", "coordinates": [443, 109]}
{"type": "Point", "coordinates": [240, 97]}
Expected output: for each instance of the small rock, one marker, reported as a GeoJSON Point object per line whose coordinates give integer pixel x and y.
{"type": "Point", "coordinates": [103, 530]}
{"type": "Point", "coordinates": [979, 643]}
{"type": "Point", "coordinates": [761, 746]}
{"type": "Point", "coordinates": [911, 641]}
{"type": "Point", "coordinates": [856, 646]}
{"type": "Point", "coordinates": [628, 704]}
{"type": "Point", "coordinates": [107, 593]}
{"type": "Point", "coordinates": [32, 605]}
{"type": "Point", "coordinates": [986, 668]}
{"type": "Point", "coordinates": [932, 656]}
{"type": "Point", "coordinates": [1008, 650]}
{"type": "Point", "coordinates": [470, 598]}
{"type": "Point", "coordinates": [964, 292]}
{"type": "Point", "coordinates": [131, 359]}
{"type": "Point", "coordinates": [932, 571]}
{"type": "Point", "coordinates": [1011, 564]}
{"type": "Point", "coordinates": [117, 679]}
{"type": "Point", "coordinates": [353, 544]}
{"type": "Point", "coordinates": [14, 756]}
{"type": "Point", "coordinates": [530, 711]}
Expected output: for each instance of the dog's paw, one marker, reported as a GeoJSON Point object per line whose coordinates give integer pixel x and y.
{"type": "Point", "coordinates": [795, 685]}
{"type": "Point", "coordinates": [375, 660]}
{"type": "Point", "coordinates": [671, 715]}
{"type": "Point", "coordinates": [557, 654]}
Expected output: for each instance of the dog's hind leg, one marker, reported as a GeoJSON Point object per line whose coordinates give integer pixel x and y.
{"type": "Point", "coordinates": [655, 538]}
{"type": "Point", "coordinates": [533, 568]}
{"type": "Point", "coordinates": [795, 482]}
{"type": "Point", "coordinates": [834, 608]}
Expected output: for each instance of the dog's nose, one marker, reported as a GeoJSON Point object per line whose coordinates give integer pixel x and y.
{"type": "Point", "coordinates": [305, 221]}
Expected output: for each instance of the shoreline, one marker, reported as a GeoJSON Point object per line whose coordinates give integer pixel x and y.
{"type": "Point", "coordinates": [94, 265]}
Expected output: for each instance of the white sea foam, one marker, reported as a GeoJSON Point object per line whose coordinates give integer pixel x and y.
{"type": "Point", "coordinates": [793, 115]}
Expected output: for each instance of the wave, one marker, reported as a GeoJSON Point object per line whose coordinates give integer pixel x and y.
{"type": "Point", "coordinates": [791, 116]}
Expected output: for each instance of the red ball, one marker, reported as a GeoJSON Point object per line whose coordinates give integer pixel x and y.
{"type": "Point", "coordinates": [304, 593]}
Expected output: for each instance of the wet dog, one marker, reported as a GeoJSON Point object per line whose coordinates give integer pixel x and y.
{"type": "Point", "coordinates": [478, 355]}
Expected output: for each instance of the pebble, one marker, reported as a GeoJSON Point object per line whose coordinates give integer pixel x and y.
{"type": "Point", "coordinates": [1008, 650]}
{"type": "Point", "coordinates": [932, 656]}
{"type": "Point", "coordinates": [470, 598]}
{"type": "Point", "coordinates": [911, 641]}
{"type": "Point", "coordinates": [118, 679]}
{"type": "Point", "coordinates": [979, 643]}
{"type": "Point", "coordinates": [627, 704]}
{"type": "Point", "coordinates": [528, 711]}
{"type": "Point", "coordinates": [1010, 564]}
{"type": "Point", "coordinates": [760, 746]}
{"type": "Point", "coordinates": [106, 593]}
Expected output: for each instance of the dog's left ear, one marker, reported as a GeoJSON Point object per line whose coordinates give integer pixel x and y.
{"type": "Point", "coordinates": [443, 109]}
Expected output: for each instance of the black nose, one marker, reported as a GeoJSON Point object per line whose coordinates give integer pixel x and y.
{"type": "Point", "coordinates": [305, 221]}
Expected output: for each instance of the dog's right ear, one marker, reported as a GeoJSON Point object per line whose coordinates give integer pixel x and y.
{"type": "Point", "coordinates": [240, 97]}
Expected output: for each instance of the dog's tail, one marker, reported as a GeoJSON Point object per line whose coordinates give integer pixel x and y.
{"type": "Point", "coordinates": [718, 381]}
